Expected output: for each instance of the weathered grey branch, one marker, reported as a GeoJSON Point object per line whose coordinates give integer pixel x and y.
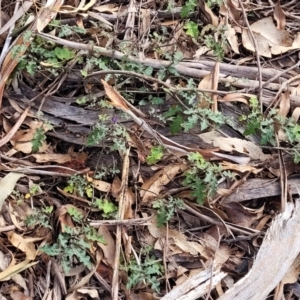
{"type": "Point", "coordinates": [277, 253]}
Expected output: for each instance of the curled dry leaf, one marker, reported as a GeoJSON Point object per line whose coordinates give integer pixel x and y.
{"type": "Point", "coordinates": [116, 99]}
{"type": "Point", "coordinates": [279, 16]}
{"type": "Point", "coordinates": [240, 168]}
{"type": "Point", "coordinates": [7, 185]}
{"type": "Point", "coordinates": [293, 272]}
{"type": "Point", "coordinates": [236, 97]}
{"type": "Point", "coordinates": [107, 8]}
{"type": "Point", "coordinates": [152, 187]}
{"type": "Point", "coordinates": [67, 9]}
{"type": "Point", "coordinates": [15, 269]}
{"type": "Point", "coordinates": [205, 83]}
{"type": "Point", "coordinates": [23, 244]}
{"type": "Point", "coordinates": [17, 295]}
{"type": "Point", "coordinates": [296, 114]}
{"type": "Point", "coordinates": [59, 158]}
{"type": "Point", "coordinates": [109, 247]}
{"type": "Point", "coordinates": [240, 215]}
{"type": "Point", "coordinates": [177, 238]}
{"type": "Point", "coordinates": [284, 106]}
{"type": "Point", "coordinates": [100, 185]}
{"type": "Point", "coordinates": [268, 37]}
{"type": "Point", "coordinates": [234, 144]}
{"type": "Point", "coordinates": [231, 37]}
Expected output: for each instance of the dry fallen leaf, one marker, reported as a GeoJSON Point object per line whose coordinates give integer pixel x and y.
{"type": "Point", "coordinates": [110, 246]}
{"type": "Point", "coordinates": [7, 185]}
{"type": "Point", "coordinates": [239, 168]}
{"type": "Point", "coordinates": [15, 269]}
{"type": "Point", "coordinates": [268, 37]}
{"type": "Point", "coordinates": [23, 244]}
{"type": "Point", "coordinates": [59, 158]}
{"type": "Point", "coordinates": [233, 144]}
{"type": "Point", "coordinates": [205, 83]}
{"type": "Point", "coordinates": [178, 238]}
{"type": "Point", "coordinates": [232, 39]}
{"type": "Point", "coordinates": [100, 185]}
{"type": "Point", "coordinates": [152, 187]}
{"type": "Point", "coordinates": [279, 16]}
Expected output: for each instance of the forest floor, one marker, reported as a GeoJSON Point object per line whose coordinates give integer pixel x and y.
{"type": "Point", "coordinates": [149, 149]}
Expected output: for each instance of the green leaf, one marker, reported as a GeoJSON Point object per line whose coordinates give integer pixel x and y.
{"type": "Point", "coordinates": [156, 154]}
{"type": "Point", "coordinates": [192, 29]}
{"type": "Point", "coordinates": [63, 53]}
{"type": "Point", "coordinates": [157, 100]}
{"type": "Point", "coordinates": [84, 73]}
{"type": "Point", "coordinates": [175, 125]}
{"type": "Point", "coordinates": [189, 6]}
{"type": "Point", "coordinates": [199, 191]}
{"type": "Point", "coordinates": [105, 205]}
{"type": "Point", "coordinates": [38, 139]}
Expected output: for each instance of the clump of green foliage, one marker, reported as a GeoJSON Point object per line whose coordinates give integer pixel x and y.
{"type": "Point", "coordinates": [189, 6]}
{"type": "Point", "coordinates": [203, 177]}
{"type": "Point", "coordinates": [73, 244]}
{"type": "Point", "coordinates": [77, 184]}
{"type": "Point", "coordinates": [156, 155]}
{"type": "Point", "coordinates": [147, 271]}
{"type": "Point", "coordinates": [215, 39]}
{"type": "Point", "coordinates": [108, 207]}
{"type": "Point", "coordinates": [213, 3]}
{"type": "Point", "coordinates": [39, 217]}
{"type": "Point", "coordinates": [166, 209]}
{"type": "Point", "coordinates": [191, 116]}
{"type": "Point", "coordinates": [40, 136]}
{"type": "Point", "coordinates": [267, 126]}
{"type": "Point", "coordinates": [110, 132]}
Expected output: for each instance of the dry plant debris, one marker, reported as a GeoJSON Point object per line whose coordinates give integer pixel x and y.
{"type": "Point", "coordinates": [149, 149]}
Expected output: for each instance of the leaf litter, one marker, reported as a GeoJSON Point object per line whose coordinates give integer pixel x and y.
{"type": "Point", "coordinates": [149, 150]}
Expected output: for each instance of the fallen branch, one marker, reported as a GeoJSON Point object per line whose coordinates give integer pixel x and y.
{"type": "Point", "coordinates": [283, 243]}
{"type": "Point", "coordinates": [196, 286]}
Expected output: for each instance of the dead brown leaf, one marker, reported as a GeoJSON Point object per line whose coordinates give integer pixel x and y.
{"type": "Point", "coordinates": [152, 187]}
{"type": "Point", "coordinates": [268, 37]}
{"type": "Point", "coordinates": [23, 244]}
{"type": "Point", "coordinates": [279, 16]}
{"type": "Point", "coordinates": [233, 144]}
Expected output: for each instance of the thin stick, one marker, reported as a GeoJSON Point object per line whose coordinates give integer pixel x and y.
{"type": "Point", "coordinates": [15, 128]}
{"type": "Point", "coordinates": [121, 213]}
{"type": "Point", "coordinates": [257, 56]}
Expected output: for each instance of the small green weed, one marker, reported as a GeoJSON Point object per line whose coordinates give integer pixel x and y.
{"type": "Point", "coordinates": [38, 139]}
{"type": "Point", "coordinates": [105, 172]}
{"type": "Point", "coordinates": [114, 132]}
{"type": "Point", "coordinates": [203, 177]}
{"type": "Point", "coordinates": [189, 6]}
{"type": "Point", "coordinates": [192, 29]}
{"type": "Point", "coordinates": [166, 209]}
{"type": "Point", "coordinates": [156, 155]}
{"type": "Point", "coordinates": [41, 54]}
{"type": "Point", "coordinates": [40, 136]}
{"type": "Point", "coordinates": [147, 271]}
{"type": "Point", "coordinates": [215, 39]}
{"type": "Point", "coordinates": [267, 126]}
{"type": "Point", "coordinates": [69, 246]}
{"type": "Point", "coordinates": [65, 30]}
{"type": "Point", "coordinates": [108, 207]}
{"type": "Point", "coordinates": [73, 244]}
{"type": "Point", "coordinates": [39, 217]}
{"type": "Point", "coordinates": [77, 184]}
